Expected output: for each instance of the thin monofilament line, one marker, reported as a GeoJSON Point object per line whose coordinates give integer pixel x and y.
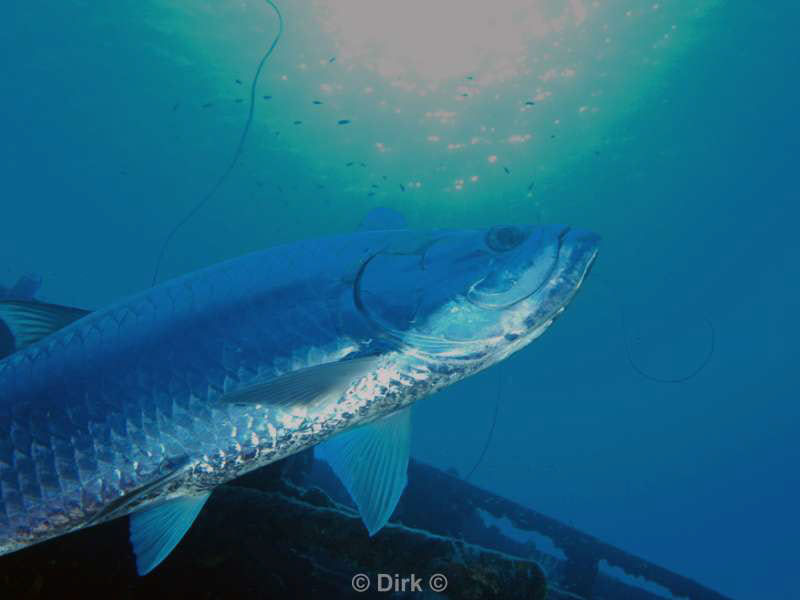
{"type": "Point", "coordinates": [491, 429]}
{"type": "Point", "coordinates": [239, 149]}
{"type": "Point", "coordinates": [680, 379]}
{"type": "Point", "coordinates": [629, 348]}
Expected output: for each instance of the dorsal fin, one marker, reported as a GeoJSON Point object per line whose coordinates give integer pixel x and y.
{"type": "Point", "coordinates": [29, 321]}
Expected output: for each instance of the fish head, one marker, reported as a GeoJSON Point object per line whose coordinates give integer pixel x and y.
{"type": "Point", "coordinates": [474, 294]}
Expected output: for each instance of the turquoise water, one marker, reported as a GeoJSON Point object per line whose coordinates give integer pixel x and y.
{"type": "Point", "coordinates": [668, 127]}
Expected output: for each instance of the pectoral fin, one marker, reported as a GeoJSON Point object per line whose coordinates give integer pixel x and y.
{"type": "Point", "coordinates": [304, 386]}
{"type": "Point", "coordinates": [372, 463]}
{"type": "Point", "coordinates": [30, 321]}
{"type": "Point", "coordinates": [156, 531]}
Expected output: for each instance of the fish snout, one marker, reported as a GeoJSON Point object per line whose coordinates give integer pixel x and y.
{"type": "Point", "coordinates": [581, 245]}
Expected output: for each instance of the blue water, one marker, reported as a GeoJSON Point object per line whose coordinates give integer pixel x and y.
{"type": "Point", "coordinates": [672, 131]}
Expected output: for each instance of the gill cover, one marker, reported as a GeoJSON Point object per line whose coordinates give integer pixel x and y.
{"type": "Point", "coordinates": [405, 288]}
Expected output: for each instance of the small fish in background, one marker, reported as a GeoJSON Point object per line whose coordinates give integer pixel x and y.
{"type": "Point", "coordinates": [317, 102]}
{"type": "Point", "coordinates": [207, 105]}
{"type": "Point", "coordinates": [370, 194]}
{"type": "Point", "coordinates": [465, 95]}
{"type": "Point", "coordinates": [470, 77]}
{"type": "Point", "coordinates": [530, 103]}
{"type": "Point", "coordinates": [402, 187]}
{"type": "Point", "coordinates": [239, 81]}
{"type": "Point", "coordinates": [362, 165]}
{"type": "Point", "coordinates": [331, 60]}
{"type": "Point", "coordinates": [374, 185]}
{"type": "Point", "coordinates": [530, 186]}
{"type": "Point", "coordinates": [176, 106]}
{"type": "Point", "coordinates": [343, 122]}
{"type": "Point", "coordinates": [506, 170]}
{"type": "Point", "coordinates": [298, 122]}
{"type": "Point", "coordinates": [350, 164]}
{"type": "Point", "coordinates": [267, 97]}
{"type": "Point", "coordinates": [384, 177]}
{"type": "Point", "coordinates": [239, 100]}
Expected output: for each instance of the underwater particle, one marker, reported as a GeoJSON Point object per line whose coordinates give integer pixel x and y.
{"type": "Point", "coordinates": [506, 170]}
{"type": "Point", "coordinates": [474, 178]}
{"type": "Point", "coordinates": [343, 122]}
{"type": "Point", "coordinates": [298, 122]}
{"type": "Point", "coordinates": [492, 158]}
{"type": "Point", "coordinates": [239, 81]}
{"type": "Point", "coordinates": [317, 102]}
{"type": "Point", "coordinates": [267, 97]}
{"type": "Point", "coordinates": [402, 187]}
{"type": "Point", "coordinates": [207, 105]}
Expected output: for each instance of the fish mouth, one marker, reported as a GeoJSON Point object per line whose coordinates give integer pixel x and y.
{"type": "Point", "coordinates": [578, 249]}
{"type": "Point", "coordinates": [530, 282]}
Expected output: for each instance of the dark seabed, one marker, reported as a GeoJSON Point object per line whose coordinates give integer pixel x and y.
{"type": "Point", "coordinates": [657, 419]}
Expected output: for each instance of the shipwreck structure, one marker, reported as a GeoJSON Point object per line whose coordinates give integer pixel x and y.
{"type": "Point", "coordinates": [288, 531]}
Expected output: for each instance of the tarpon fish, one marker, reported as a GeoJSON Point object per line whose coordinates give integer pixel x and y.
{"type": "Point", "coordinates": [144, 407]}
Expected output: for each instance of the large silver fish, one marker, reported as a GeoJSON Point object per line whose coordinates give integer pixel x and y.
{"type": "Point", "coordinates": [147, 405]}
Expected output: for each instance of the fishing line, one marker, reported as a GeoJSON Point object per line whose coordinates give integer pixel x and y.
{"type": "Point", "coordinates": [640, 371]}
{"type": "Point", "coordinates": [629, 354]}
{"type": "Point", "coordinates": [239, 148]}
{"type": "Point", "coordinates": [491, 429]}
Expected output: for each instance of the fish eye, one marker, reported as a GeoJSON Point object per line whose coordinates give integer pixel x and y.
{"type": "Point", "coordinates": [503, 239]}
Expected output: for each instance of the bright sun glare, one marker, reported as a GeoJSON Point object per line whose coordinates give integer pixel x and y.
{"type": "Point", "coordinates": [435, 40]}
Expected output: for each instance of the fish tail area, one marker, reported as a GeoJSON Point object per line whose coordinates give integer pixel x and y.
{"type": "Point", "coordinates": [7, 344]}
{"type": "Point", "coordinates": [24, 322]}
{"type": "Point", "coordinates": [24, 289]}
